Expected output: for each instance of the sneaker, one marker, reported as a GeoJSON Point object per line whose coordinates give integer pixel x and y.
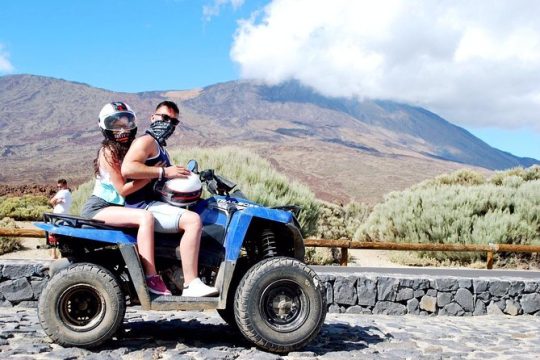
{"type": "Point", "coordinates": [156, 285]}
{"type": "Point", "coordinates": [197, 288]}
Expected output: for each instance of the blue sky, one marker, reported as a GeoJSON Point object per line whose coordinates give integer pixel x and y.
{"type": "Point", "coordinates": [479, 72]}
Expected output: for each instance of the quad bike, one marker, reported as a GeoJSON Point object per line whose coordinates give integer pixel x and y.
{"type": "Point", "coordinates": [252, 254]}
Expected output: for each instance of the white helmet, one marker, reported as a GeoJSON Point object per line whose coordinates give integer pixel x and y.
{"type": "Point", "coordinates": [181, 192]}
{"type": "Point", "coordinates": [117, 122]}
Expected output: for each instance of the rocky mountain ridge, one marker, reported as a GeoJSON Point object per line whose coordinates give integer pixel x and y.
{"type": "Point", "coordinates": [343, 149]}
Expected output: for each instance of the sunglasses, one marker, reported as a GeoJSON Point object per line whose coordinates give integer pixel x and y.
{"type": "Point", "coordinates": [166, 117]}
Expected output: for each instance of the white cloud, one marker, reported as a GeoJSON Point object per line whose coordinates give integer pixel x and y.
{"type": "Point", "coordinates": [476, 63]}
{"type": "Point", "coordinates": [5, 64]}
{"type": "Point", "coordinates": [213, 9]}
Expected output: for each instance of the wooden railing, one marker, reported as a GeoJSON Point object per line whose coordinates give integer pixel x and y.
{"type": "Point", "coordinates": [490, 249]}
{"type": "Point", "coordinates": [345, 245]}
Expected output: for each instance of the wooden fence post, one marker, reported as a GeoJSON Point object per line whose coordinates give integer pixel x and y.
{"type": "Point", "coordinates": [489, 263]}
{"type": "Point", "coordinates": [344, 256]}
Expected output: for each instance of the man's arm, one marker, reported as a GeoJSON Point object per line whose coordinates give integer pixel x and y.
{"type": "Point", "coordinates": [141, 149]}
{"type": "Point", "coordinates": [133, 166]}
{"type": "Point", "coordinates": [57, 198]}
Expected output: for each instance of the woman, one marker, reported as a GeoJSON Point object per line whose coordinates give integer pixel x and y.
{"type": "Point", "coordinates": [117, 123]}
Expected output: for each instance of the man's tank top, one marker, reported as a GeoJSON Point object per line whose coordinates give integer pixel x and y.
{"type": "Point", "coordinates": [142, 197]}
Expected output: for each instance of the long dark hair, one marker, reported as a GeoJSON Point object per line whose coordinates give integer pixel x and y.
{"type": "Point", "coordinates": [114, 155]}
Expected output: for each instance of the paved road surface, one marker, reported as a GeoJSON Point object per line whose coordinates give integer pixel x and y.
{"type": "Point", "coordinates": [203, 335]}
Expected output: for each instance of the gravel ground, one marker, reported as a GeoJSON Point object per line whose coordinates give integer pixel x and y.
{"type": "Point", "coordinates": [203, 335]}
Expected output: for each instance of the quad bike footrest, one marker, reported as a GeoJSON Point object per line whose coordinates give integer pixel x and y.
{"type": "Point", "coordinates": [171, 302]}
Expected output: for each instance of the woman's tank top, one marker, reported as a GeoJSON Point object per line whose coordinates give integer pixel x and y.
{"type": "Point", "coordinates": [105, 189]}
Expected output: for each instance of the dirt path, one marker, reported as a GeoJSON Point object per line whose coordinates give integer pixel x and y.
{"type": "Point", "coordinates": [371, 258]}
{"type": "Point", "coordinates": [32, 248]}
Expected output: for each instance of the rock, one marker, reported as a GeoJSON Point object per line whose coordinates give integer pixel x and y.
{"type": "Point", "coordinates": [389, 308]}
{"type": "Point", "coordinates": [493, 309]}
{"type": "Point", "coordinates": [329, 292]}
{"type": "Point", "coordinates": [357, 310]}
{"type": "Point", "coordinates": [413, 306]}
{"type": "Point", "coordinates": [415, 284]}
{"type": "Point", "coordinates": [17, 290]}
{"type": "Point", "coordinates": [334, 309]}
{"type": "Point", "coordinates": [479, 308]}
{"type": "Point", "coordinates": [37, 287]}
{"type": "Point", "coordinates": [367, 291]}
{"type": "Point", "coordinates": [432, 292]}
{"type": "Point", "coordinates": [480, 286]}
{"type": "Point", "coordinates": [465, 283]}
{"type": "Point", "coordinates": [387, 288]}
{"type": "Point", "coordinates": [498, 288]}
{"type": "Point", "coordinates": [419, 293]}
{"type": "Point", "coordinates": [327, 278]}
{"type": "Point", "coordinates": [530, 287]}
{"type": "Point", "coordinates": [465, 299]}
{"type": "Point", "coordinates": [530, 303]}
{"type": "Point", "coordinates": [512, 307]}
{"type": "Point", "coordinates": [516, 288]}
{"type": "Point", "coordinates": [444, 298]}
{"type": "Point", "coordinates": [452, 309]}
{"type": "Point", "coordinates": [485, 295]}
{"type": "Point", "coordinates": [20, 270]}
{"type": "Point", "coordinates": [428, 303]}
{"type": "Point", "coordinates": [405, 294]}
{"type": "Point", "coordinates": [501, 303]}
{"type": "Point", "coordinates": [446, 284]}
{"type": "Point", "coordinates": [345, 291]}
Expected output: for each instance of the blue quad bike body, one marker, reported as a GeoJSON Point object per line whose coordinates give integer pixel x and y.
{"type": "Point", "coordinates": [252, 254]}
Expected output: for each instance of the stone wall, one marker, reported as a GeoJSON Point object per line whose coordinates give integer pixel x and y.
{"type": "Point", "coordinates": [401, 294]}
{"type": "Point", "coordinates": [21, 283]}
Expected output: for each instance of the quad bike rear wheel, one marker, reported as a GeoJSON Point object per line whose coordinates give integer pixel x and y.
{"type": "Point", "coordinates": [81, 306]}
{"type": "Point", "coordinates": [280, 304]}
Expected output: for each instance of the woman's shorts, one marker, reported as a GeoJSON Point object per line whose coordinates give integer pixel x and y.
{"type": "Point", "coordinates": [93, 205]}
{"type": "Point", "coordinates": [166, 217]}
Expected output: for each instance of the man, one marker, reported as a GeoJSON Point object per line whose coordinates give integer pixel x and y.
{"type": "Point", "coordinates": [147, 159]}
{"type": "Point", "coordinates": [62, 199]}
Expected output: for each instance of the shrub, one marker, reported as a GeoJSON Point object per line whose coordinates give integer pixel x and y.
{"type": "Point", "coordinates": [506, 210]}
{"type": "Point", "coordinates": [9, 244]}
{"type": "Point", "coordinates": [257, 180]}
{"type": "Point", "coordinates": [340, 222]}
{"type": "Point", "coordinates": [26, 207]}
{"type": "Point", "coordinates": [80, 195]}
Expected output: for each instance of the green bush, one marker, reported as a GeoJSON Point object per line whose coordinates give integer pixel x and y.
{"type": "Point", "coordinates": [256, 178]}
{"type": "Point", "coordinates": [340, 222]}
{"type": "Point", "coordinates": [80, 195]}
{"type": "Point", "coordinates": [461, 208]}
{"type": "Point", "coordinates": [9, 244]}
{"type": "Point", "coordinates": [26, 207]}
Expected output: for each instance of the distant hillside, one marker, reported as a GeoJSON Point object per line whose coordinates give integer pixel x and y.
{"type": "Point", "coordinates": [341, 148]}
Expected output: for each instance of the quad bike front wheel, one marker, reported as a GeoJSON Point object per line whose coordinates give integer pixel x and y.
{"type": "Point", "coordinates": [81, 306]}
{"type": "Point", "coordinates": [280, 304]}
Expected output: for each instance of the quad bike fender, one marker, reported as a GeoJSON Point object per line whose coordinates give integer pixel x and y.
{"type": "Point", "coordinates": [107, 236]}
{"type": "Point", "coordinates": [242, 220]}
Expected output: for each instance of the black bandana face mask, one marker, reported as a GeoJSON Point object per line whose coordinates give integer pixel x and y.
{"type": "Point", "coordinates": [161, 131]}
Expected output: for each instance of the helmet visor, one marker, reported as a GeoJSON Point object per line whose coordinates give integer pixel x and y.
{"type": "Point", "coordinates": [120, 121]}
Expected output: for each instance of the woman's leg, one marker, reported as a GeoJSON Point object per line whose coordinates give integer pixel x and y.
{"type": "Point", "coordinates": [191, 223]}
{"type": "Point", "coordinates": [121, 216]}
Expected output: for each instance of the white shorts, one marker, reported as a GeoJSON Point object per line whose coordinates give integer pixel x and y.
{"type": "Point", "coordinates": [166, 217]}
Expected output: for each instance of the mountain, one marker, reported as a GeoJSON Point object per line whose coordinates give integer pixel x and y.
{"type": "Point", "coordinates": [342, 148]}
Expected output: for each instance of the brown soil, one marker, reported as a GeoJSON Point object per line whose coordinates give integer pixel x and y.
{"type": "Point", "coordinates": [27, 189]}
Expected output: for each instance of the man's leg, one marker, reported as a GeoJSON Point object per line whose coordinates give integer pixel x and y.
{"type": "Point", "coordinates": [172, 219]}
{"type": "Point", "coordinates": [191, 223]}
